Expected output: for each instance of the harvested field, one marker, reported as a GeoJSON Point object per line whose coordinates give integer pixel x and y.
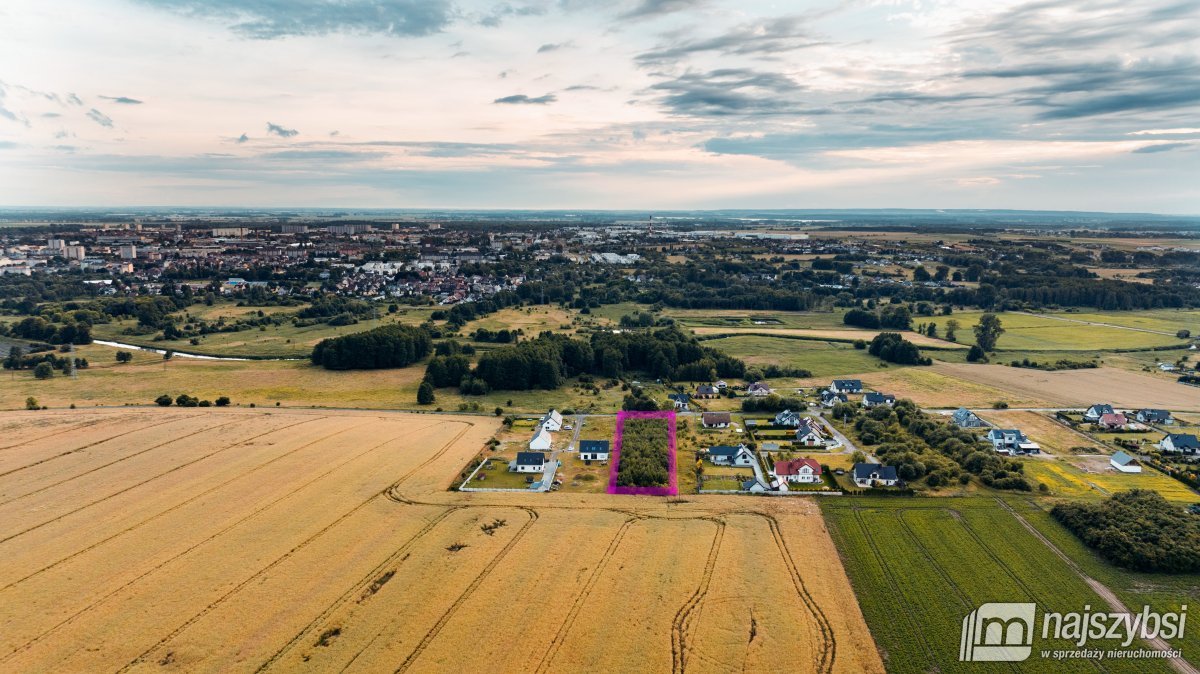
{"type": "Point", "coordinates": [256, 540]}
{"type": "Point", "coordinates": [1055, 438]}
{"type": "Point", "coordinates": [849, 334]}
{"type": "Point", "coordinates": [1077, 388]}
{"type": "Point", "coordinates": [938, 386]}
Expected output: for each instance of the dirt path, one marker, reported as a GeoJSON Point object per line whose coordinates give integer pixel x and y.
{"type": "Point", "coordinates": [1179, 664]}
{"type": "Point", "coordinates": [1096, 323]}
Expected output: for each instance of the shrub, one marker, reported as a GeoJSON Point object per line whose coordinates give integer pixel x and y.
{"type": "Point", "coordinates": [124, 356]}
{"type": "Point", "coordinates": [43, 370]}
{"type": "Point", "coordinates": [223, 401]}
{"type": "Point", "coordinates": [31, 403]}
{"type": "Point", "coordinates": [164, 400]}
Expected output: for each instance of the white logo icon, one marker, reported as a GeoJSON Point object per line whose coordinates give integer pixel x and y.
{"type": "Point", "coordinates": [998, 633]}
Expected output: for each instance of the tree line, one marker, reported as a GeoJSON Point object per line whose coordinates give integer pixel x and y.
{"type": "Point", "coordinates": [383, 347]}
{"type": "Point", "coordinates": [1138, 530]}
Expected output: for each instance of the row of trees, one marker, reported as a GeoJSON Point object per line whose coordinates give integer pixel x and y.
{"type": "Point", "coordinates": [894, 317]}
{"type": "Point", "coordinates": [185, 400]}
{"type": "Point", "coordinates": [384, 347]}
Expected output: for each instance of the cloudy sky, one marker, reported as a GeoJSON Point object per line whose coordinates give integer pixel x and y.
{"type": "Point", "coordinates": [1087, 105]}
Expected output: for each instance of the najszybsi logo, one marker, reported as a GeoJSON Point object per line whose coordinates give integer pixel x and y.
{"type": "Point", "coordinates": [997, 633]}
{"type": "Point", "coordinates": [1003, 632]}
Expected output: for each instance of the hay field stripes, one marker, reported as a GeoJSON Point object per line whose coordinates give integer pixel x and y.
{"type": "Point", "coordinates": [212, 537]}
{"type": "Point", "coordinates": [224, 596]}
{"type": "Point", "coordinates": [86, 446]}
{"type": "Point", "coordinates": [69, 428]}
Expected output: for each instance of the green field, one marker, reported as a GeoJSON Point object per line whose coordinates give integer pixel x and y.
{"type": "Point", "coordinates": [823, 359]}
{"type": "Point", "coordinates": [1064, 479]}
{"type": "Point", "coordinates": [1025, 332]}
{"type": "Point", "coordinates": [722, 318]}
{"type": "Point", "coordinates": [919, 566]}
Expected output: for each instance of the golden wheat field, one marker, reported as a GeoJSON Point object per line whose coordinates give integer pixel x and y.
{"type": "Point", "coordinates": [250, 540]}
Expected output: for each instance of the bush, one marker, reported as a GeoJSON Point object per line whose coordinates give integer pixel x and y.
{"type": "Point", "coordinates": [976, 355]}
{"type": "Point", "coordinates": [223, 401]}
{"type": "Point", "coordinates": [164, 400]}
{"type": "Point", "coordinates": [31, 403]}
{"type": "Point", "coordinates": [1138, 530]}
{"type": "Point", "coordinates": [124, 356]}
{"type": "Point", "coordinates": [43, 371]}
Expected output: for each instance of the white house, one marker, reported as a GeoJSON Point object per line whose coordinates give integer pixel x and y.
{"type": "Point", "coordinates": [1124, 463]}
{"type": "Point", "coordinates": [1154, 417]}
{"type": "Point", "coordinates": [681, 401]}
{"type": "Point", "coordinates": [754, 486]}
{"type": "Point", "coordinates": [541, 440]}
{"type": "Point", "coordinates": [552, 422]}
{"type": "Point", "coordinates": [846, 386]}
{"type": "Point", "coordinates": [1184, 443]}
{"type": "Point", "coordinates": [874, 399]}
{"type": "Point", "coordinates": [831, 398]}
{"type": "Point", "coordinates": [593, 450]}
{"type": "Point", "coordinates": [874, 475]}
{"type": "Point", "coordinates": [715, 419]}
{"type": "Point", "coordinates": [1096, 411]}
{"type": "Point", "coordinates": [810, 434]}
{"type": "Point", "coordinates": [804, 471]}
{"type": "Point", "coordinates": [725, 455]}
{"type": "Point", "coordinates": [758, 388]}
{"type": "Point", "coordinates": [965, 418]}
{"type": "Point", "coordinates": [787, 418]}
{"type": "Point", "coordinates": [528, 462]}
{"type": "Point", "coordinates": [1012, 441]}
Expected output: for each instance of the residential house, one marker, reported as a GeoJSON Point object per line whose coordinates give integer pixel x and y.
{"type": "Point", "coordinates": [874, 475]}
{"type": "Point", "coordinates": [725, 455]}
{"type": "Point", "coordinates": [707, 391]}
{"type": "Point", "coordinates": [810, 434]}
{"type": "Point", "coordinates": [552, 421]}
{"type": "Point", "coordinates": [1113, 422]}
{"type": "Point", "coordinates": [1011, 441]}
{"type": "Point", "coordinates": [831, 398]}
{"type": "Point", "coordinates": [541, 440]}
{"type": "Point", "coordinates": [1184, 443]}
{"type": "Point", "coordinates": [804, 471]}
{"type": "Point", "coordinates": [754, 486]}
{"type": "Point", "coordinates": [680, 400]}
{"type": "Point", "coordinates": [721, 385]}
{"type": "Point", "coordinates": [846, 386]}
{"type": "Point", "coordinates": [715, 419]}
{"type": "Point", "coordinates": [965, 418]}
{"type": "Point", "coordinates": [787, 418]}
{"type": "Point", "coordinates": [1124, 463]}
{"type": "Point", "coordinates": [593, 450]}
{"type": "Point", "coordinates": [758, 388]}
{"type": "Point", "coordinates": [1155, 416]}
{"type": "Point", "coordinates": [528, 462]}
{"type": "Point", "coordinates": [874, 399]}
{"type": "Point", "coordinates": [1096, 411]}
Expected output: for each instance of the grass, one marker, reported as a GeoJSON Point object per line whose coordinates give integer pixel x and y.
{"type": "Point", "coordinates": [723, 484]}
{"type": "Point", "coordinates": [823, 359]}
{"type": "Point", "coordinates": [919, 566]}
{"type": "Point", "coordinates": [1054, 438]}
{"type": "Point", "coordinates": [729, 318]}
{"type": "Point", "coordinates": [1024, 332]}
{"type": "Point", "coordinates": [495, 475]}
{"type": "Point", "coordinates": [1065, 479]}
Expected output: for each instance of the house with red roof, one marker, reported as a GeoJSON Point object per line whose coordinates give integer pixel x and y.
{"type": "Point", "coordinates": [806, 471]}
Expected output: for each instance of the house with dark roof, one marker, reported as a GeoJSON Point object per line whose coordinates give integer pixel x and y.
{"type": "Point", "coordinates": [831, 398]}
{"type": "Point", "coordinates": [1096, 411]}
{"type": "Point", "coordinates": [716, 419]}
{"type": "Point", "coordinates": [727, 455]}
{"type": "Point", "coordinates": [803, 471]}
{"type": "Point", "coordinates": [787, 418]}
{"type": "Point", "coordinates": [810, 433]}
{"type": "Point", "coordinates": [846, 386]}
{"type": "Point", "coordinates": [758, 388]}
{"type": "Point", "coordinates": [874, 475]}
{"type": "Point", "coordinates": [965, 418]}
{"type": "Point", "coordinates": [1183, 443]}
{"type": "Point", "coordinates": [593, 450]}
{"type": "Point", "coordinates": [1154, 417]}
{"type": "Point", "coordinates": [528, 462]}
{"type": "Point", "coordinates": [1012, 441]}
{"type": "Point", "coordinates": [707, 391]}
{"type": "Point", "coordinates": [680, 400]}
{"type": "Point", "coordinates": [874, 399]}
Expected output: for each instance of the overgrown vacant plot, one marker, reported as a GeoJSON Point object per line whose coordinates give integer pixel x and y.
{"type": "Point", "coordinates": [1066, 479]}
{"type": "Point", "coordinates": [247, 540]}
{"type": "Point", "coordinates": [1055, 438]}
{"type": "Point", "coordinates": [920, 566]}
{"type": "Point", "coordinates": [1078, 388]}
{"type": "Point", "coordinates": [940, 385]}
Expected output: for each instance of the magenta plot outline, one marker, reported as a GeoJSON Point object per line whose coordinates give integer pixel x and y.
{"type": "Point", "coordinates": [673, 488]}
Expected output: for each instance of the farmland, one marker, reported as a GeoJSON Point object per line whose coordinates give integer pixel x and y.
{"type": "Point", "coordinates": [1066, 479]}
{"type": "Point", "coordinates": [238, 540]}
{"type": "Point", "coordinates": [1069, 332]}
{"type": "Point", "coordinates": [823, 359]}
{"type": "Point", "coordinates": [919, 567]}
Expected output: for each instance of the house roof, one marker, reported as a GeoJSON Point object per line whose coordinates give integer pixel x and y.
{"type": "Point", "coordinates": [793, 467]}
{"type": "Point", "coordinates": [593, 446]}
{"type": "Point", "coordinates": [681, 397]}
{"type": "Point", "coordinates": [877, 397]}
{"type": "Point", "coordinates": [724, 450]}
{"type": "Point", "coordinates": [1121, 458]}
{"type": "Point", "coordinates": [1155, 415]}
{"type": "Point", "coordinates": [530, 458]}
{"type": "Point", "coordinates": [715, 417]}
{"type": "Point", "coordinates": [758, 386]}
{"type": "Point", "coordinates": [706, 389]}
{"type": "Point", "coordinates": [1102, 408]}
{"type": "Point", "coordinates": [1005, 432]}
{"type": "Point", "coordinates": [847, 383]}
{"type": "Point", "coordinates": [1182, 440]}
{"type": "Point", "coordinates": [827, 395]}
{"type": "Point", "coordinates": [808, 426]}
{"type": "Point", "coordinates": [1116, 419]}
{"type": "Point", "coordinates": [863, 471]}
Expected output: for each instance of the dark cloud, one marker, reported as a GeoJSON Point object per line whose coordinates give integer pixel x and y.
{"type": "Point", "coordinates": [280, 131]}
{"type": "Point", "coordinates": [123, 100]}
{"type": "Point", "coordinates": [551, 46]}
{"type": "Point", "coordinates": [646, 9]}
{"type": "Point", "coordinates": [74, 100]}
{"type": "Point", "coordinates": [760, 38]}
{"type": "Point", "coordinates": [730, 91]}
{"type": "Point", "coordinates": [242, 139]}
{"type": "Point", "coordinates": [272, 19]}
{"type": "Point", "coordinates": [582, 87]}
{"type": "Point", "coordinates": [1162, 147]}
{"type": "Point", "coordinates": [522, 99]}
{"type": "Point", "coordinates": [100, 118]}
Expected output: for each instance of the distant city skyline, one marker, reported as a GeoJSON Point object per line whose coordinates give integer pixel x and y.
{"type": "Point", "coordinates": [636, 104]}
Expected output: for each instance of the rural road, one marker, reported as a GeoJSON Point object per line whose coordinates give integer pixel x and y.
{"type": "Point", "coordinates": [1179, 664]}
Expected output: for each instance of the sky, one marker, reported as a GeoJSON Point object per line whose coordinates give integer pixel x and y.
{"type": "Point", "coordinates": [623, 104]}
